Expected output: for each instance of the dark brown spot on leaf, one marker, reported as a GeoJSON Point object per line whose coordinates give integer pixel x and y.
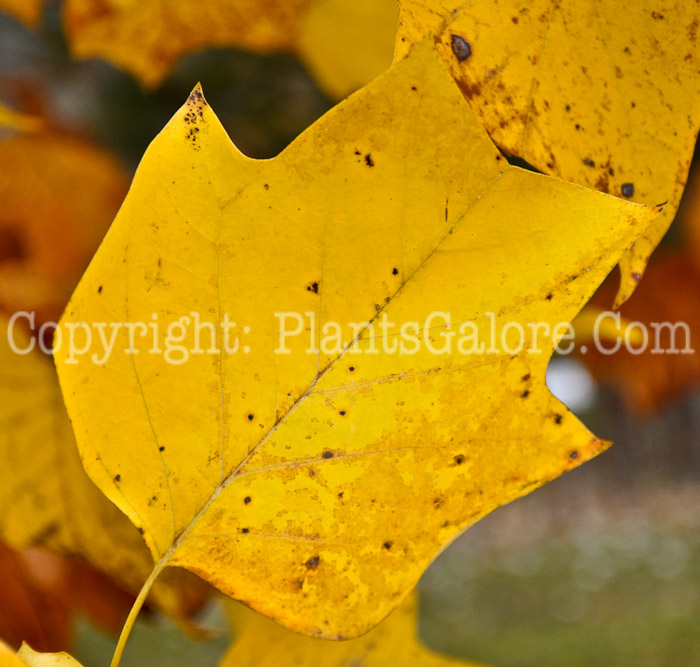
{"type": "Point", "coordinates": [461, 48]}
{"type": "Point", "coordinates": [369, 161]}
{"type": "Point", "coordinates": [627, 190]}
{"type": "Point", "coordinates": [313, 562]}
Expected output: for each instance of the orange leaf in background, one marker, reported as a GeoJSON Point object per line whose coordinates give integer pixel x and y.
{"type": "Point", "coordinates": [650, 380]}
{"type": "Point", "coordinates": [28, 11]}
{"type": "Point", "coordinates": [59, 194]}
{"type": "Point", "coordinates": [669, 293]}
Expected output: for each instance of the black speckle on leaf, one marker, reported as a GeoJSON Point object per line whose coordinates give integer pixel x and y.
{"type": "Point", "coordinates": [313, 562]}
{"type": "Point", "coordinates": [141, 530]}
{"type": "Point", "coordinates": [461, 48]}
{"type": "Point", "coordinates": [395, 271]}
{"type": "Point", "coordinates": [327, 454]}
{"type": "Point", "coordinates": [369, 161]}
{"type": "Point", "coordinates": [161, 448]}
{"type": "Point", "coordinates": [246, 500]}
{"type": "Point", "coordinates": [573, 455]}
{"type": "Point", "coordinates": [627, 190]}
{"type": "Point", "coordinates": [388, 544]}
{"type": "Point", "coordinates": [313, 287]}
{"type": "Point", "coordinates": [99, 289]}
{"type": "Point", "coordinates": [351, 369]}
{"type": "Point", "coordinates": [117, 478]}
{"type": "Point", "coordinates": [459, 459]}
{"type": "Point", "coordinates": [588, 162]}
{"type": "Point", "coordinates": [342, 413]}
{"type": "Point", "coordinates": [549, 296]}
{"type": "Point", "coordinates": [525, 377]}
{"type": "Point", "coordinates": [525, 394]}
{"type": "Point", "coordinates": [251, 417]}
{"type": "Point", "coordinates": [245, 530]}
{"type": "Point", "coordinates": [557, 418]}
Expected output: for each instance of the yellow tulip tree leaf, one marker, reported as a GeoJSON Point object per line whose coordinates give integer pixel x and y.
{"type": "Point", "coordinates": [259, 642]}
{"type": "Point", "coordinates": [604, 94]}
{"type": "Point", "coordinates": [47, 500]}
{"type": "Point", "coordinates": [345, 43]}
{"type": "Point", "coordinates": [316, 486]}
{"type": "Point", "coordinates": [28, 11]}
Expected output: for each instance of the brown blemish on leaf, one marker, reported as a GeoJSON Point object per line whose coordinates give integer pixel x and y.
{"type": "Point", "coordinates": [312, 563]}
{"type": "Point", "coordinates": [387, 545]}
{"type": "Point", "coordinates": [313, 287]}
{"type": "Point", "coordinates": [327, 454]}
{"type": "Point", "coordinates": [557, 418]}
{"type": "Point", "coordinates": [461, 47]}
{"type": "Point", "coordinates": [573, 455]}
{"type": "Point", "coordinates": [368, 160]}
{"type": "Point", "coordinates": [525, 394]}
{"type": "Point", "coordinates": [247, 499]}
{"type": "Point", "coordinates": [588, 162]}
{"type": "Point", "coordinates": [459, 459]}
{"type": "Point", "coordinates": [637, 277]}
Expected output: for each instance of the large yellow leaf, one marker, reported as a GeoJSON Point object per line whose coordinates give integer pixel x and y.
{"type": "Point", "coordinates": [317, 487]}
{"type": "Point", "coordinates": [604, 93]}
{"type": "Point", "coordinates": [46, 499]}
{"type": "Point", "coordinates": [345, 43]}
{"type": "Point", "coordinates": [259, 642]}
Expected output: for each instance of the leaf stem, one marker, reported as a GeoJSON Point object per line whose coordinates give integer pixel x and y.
{"type": "Point", "coordinates": [136, 608]}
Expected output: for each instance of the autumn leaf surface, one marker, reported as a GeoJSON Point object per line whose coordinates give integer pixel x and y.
{"type": "Point", "coordinates": [317, 487]}
{"type": "Point", "coordinates": [345, 43]}
{"type": "Point", "coordinates": [47, 500]}
{"type": "Point", "coordinates": [259, 642]}
{"type": "Point", "coordinates": [605, 94]}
